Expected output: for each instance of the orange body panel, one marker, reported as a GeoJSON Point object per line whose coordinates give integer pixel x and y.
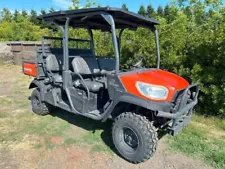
{"type": "Point", "coordinates": [169, 80]}
{"type": "Point", "coordinates": [29, 69]}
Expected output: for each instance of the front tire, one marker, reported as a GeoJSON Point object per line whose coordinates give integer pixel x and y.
{"type": "Point", "coordinates": [134, 137]}
{"type": "Point", "coordinates": [38, 106]}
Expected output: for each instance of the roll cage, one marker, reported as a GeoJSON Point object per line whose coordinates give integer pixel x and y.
{"type": "Point", "coordinates": [106, 19]}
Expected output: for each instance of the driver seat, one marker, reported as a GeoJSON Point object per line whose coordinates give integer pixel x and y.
{"type": "Point", "coordinates": [80, 66]}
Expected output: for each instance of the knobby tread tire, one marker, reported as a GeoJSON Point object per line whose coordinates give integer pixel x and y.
{"type": "Point", "coordinates": [145, 130]}
{"type": "Point", "coordinates": [44, 108]}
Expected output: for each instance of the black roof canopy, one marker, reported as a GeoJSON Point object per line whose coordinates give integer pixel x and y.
{"type": "Point", "coordinates": [91, 18]}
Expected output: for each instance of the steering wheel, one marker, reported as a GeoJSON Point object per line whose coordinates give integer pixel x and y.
{"type": "Point", "coordinates": [138, 62]}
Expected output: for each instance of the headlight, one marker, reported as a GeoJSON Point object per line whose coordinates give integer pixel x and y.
{"type": "Point", "coordinates": [154, 92]}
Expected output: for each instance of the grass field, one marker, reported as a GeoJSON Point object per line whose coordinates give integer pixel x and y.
{"type": "Point", "coordinates": [17, 119]}
{"type": "Point", "coordinates": [203, 139]}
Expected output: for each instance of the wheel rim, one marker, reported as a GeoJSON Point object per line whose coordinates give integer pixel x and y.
{"type": "Point", "coordinates": [129, 140]}
{"type": "Point", "coordinates": [36, 103]}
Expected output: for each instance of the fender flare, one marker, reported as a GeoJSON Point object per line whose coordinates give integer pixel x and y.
{"type": "Point", "coordinates": [131, 99]}
{"type": "Point", "coordinates": [37, 84]}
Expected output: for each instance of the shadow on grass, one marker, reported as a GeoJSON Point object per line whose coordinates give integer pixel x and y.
{"type": "Point", "coordinates": [88, 125]}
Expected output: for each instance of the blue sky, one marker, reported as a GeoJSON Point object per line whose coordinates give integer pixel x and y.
{"type": "Point", "coordinates": [133, 5]}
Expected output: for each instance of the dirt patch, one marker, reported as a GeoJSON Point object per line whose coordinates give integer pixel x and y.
{"type": "Point", "coordinates": [80, 157]}
{"type": "Point", "coordinates": [7, 160]}
{"type": "Point", "coordinates": [57, 140]}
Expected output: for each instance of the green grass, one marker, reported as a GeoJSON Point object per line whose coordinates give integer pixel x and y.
{"type": "Point", "coordinates": [96, 141]}
{"type": "Point", "coordinates": [5, 102]}
{"type": "Point", "coordinates": [92, 138]}
{"type": "Point", "coordinates": [100, 148]}
{"type": "Point", "coordinates": [203, 139]}
{"type": "Point", "coordinates": [70, 141]}
{"type": "Point", "coordinates": [3, 115]}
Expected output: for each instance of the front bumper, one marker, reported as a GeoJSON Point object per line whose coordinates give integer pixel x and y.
{"type": "Point", "coordinates": [182, 116]}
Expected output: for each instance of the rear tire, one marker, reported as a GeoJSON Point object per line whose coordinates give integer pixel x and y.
{"type": "Point", "coordinates": [134, 137]}
{"type": "Point", "coordinates": [38, 106]}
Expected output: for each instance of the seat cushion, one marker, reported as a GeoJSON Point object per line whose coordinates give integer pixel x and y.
{"type": "Point", "coordinates": [93, 86]}
{"type": "Point", "coordinates": [57, 78]}
{"type": "Point", "coordinates": [105, 72]}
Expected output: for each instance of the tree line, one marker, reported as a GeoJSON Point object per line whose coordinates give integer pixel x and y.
{"type": "Point", "coordinates": [192, 42]}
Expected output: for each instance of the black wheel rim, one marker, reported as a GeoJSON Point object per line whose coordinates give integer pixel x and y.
{"type": "Point", "coordinates": [129, 140]}
{"type": "Point", "coordinates": [36, 103]}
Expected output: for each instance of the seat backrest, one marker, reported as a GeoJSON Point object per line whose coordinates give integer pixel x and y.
{"type": "Point", "coordinates": [53, 63]}
{"type": "Point", "coordinates": [85, 65]}
{"type": "Point", "coordinates": [80, 66]}
{"type": "Point", "coordinates": [107, 64]}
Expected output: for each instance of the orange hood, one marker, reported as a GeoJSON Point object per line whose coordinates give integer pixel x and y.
{"type": "Point", "coordinates": [169, 80]}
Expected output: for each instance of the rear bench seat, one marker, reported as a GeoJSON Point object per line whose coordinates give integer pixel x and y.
{"type": "Point", "coordinates": [54, 67]}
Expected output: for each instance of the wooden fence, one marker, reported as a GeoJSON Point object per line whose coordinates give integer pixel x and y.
{"type": "Point", "coordinates": [23, 50]}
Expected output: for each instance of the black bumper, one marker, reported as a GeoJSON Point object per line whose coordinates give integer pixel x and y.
{"type": "Point", "coordinates": [182, 117]}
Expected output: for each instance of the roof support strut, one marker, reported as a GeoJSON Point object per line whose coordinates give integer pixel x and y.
{"type": "Point", "coordinates": [92, 41]}
{"type": "Point", "coordinates": [66, 50]}
{"type": "Point", "coordinates": [111, 22]}
{"type": "Point", "coordinates": [120, 37]}
{"type": "Point", "coordinates": [157, 47]}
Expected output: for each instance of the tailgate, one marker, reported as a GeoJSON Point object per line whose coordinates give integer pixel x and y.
{"type": "Point", "coordinates": [29, 68]}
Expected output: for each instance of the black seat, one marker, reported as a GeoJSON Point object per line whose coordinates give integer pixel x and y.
{"type": "Point", "coordinates": [54, 66]}
{"type": "Point", "coordinates": [86, 67]}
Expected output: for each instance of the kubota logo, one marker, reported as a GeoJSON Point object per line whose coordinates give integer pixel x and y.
{"type": "Point", "coordinates": [27, 70]}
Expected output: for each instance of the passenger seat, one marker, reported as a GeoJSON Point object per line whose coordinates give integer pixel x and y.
{"type": "Point", "coordinates": [80, 66]}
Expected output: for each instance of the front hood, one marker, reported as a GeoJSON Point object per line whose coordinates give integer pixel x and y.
{"type": "Point", "coordinates": [169, 80]}
{"type": "Point", "coordinates": [164, 78]}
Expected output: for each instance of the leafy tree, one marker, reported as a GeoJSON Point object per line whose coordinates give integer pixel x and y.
{"type": "Point", "coordinates": [167, 12]}
{"type": "Point", "coordinates": [24, 13]}
{"type": "Point", "coordinates": [142, 11]}
{"type": "Point", "coordinates": [187, 11]}
{"type": "Point", "coordinates": [89, 4]}
{"type": "Point", "coordinates": [150, 11]}
{"type": "Point", "coordinates": [170, 13]}
{"type": "Point", "coordinates": [33, 17]}
{"type": "Point", "coordinates": [51, 10]}
{"type": "Point", "coordinates": [43, 12]}
{"type": "Point", "coordinates": [160, 11]}
{"type": "Point", "coordinates": [6, 15]}
{"type": "Point", "coordinates": [76, 4]}
{"type": "Point", "coordinates": [124, 6]}
{"type": "Point", "coordinates": [15, 15]}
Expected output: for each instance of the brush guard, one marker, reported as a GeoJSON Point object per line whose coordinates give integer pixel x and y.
{"type": "Point", "coordinates": [182, 117]}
